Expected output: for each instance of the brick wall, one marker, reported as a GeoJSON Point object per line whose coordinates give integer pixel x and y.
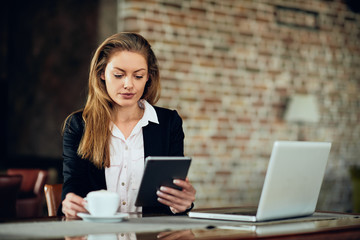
{"type": "Point", "coordinates": [228, 67]}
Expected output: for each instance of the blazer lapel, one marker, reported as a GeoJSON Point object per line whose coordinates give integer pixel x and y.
{"type": "Point", "coordinates": [152, 140]}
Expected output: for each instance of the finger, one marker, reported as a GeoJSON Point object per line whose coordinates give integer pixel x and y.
{"type": "Point", "coordinates": [74, 198]}
{"type": "Point", "coordinates": [176, 208]}
{"type": "Point", "coordinates": [179, 205]}
{"type": "Point", "coordinates": [163, 234]}
{"type": "Point", "coordinates": [169, 197]}
{"type": "Point", "coordinates": [73, 204]}
{"type": "Point", "coordinates": [76, 207]}
{"type": "Point", "coordinates": [68, 205]}
{"type": "Point", "coordinates": [185, 185]}
{"type": "Point", "coordinates": [69, 213]}
{"type": "Point", "coordinates": [173, 235]}
{"type": "Point", "coordinates": [171, 193]}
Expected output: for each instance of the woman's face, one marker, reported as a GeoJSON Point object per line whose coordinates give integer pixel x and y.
{"type": "Point", "coordinates": [125, 77]}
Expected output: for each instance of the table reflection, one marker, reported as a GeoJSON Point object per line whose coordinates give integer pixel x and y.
{"type": "Point", "coordinates": [169, 235]}
{"type": "Point", "coordinates": [150, 228]}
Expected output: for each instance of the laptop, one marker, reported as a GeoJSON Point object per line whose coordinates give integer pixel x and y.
{"type": "Point", "coordinates": [291, 188]}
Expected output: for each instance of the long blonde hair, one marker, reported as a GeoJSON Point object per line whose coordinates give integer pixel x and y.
{"type": "Point", "coordinates": [97, 113]}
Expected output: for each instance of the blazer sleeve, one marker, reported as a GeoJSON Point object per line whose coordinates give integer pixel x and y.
{"type": "Point", "coordinates": [73, 165]}
{"type": "Point", "coordinates": [80, 175]}
{"type": "Point", "coordinates": [176, 135]}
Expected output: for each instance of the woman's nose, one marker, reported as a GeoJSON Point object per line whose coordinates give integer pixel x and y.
{"type": "Point", "coordinates": [128, 83]}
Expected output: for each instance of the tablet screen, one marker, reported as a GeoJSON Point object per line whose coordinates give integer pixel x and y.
{"type": "Point", "coordinates": [160, 171]}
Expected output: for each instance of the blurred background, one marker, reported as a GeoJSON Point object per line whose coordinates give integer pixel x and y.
{"type": "Point", "coordinates": [235, 70]}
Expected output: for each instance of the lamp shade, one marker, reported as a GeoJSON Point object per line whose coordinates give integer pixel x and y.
{"type": "Point", "coordinates": [302, 108]}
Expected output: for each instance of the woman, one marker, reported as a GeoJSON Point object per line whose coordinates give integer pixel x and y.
{"type": "Point", "coordinates": [104, 145]}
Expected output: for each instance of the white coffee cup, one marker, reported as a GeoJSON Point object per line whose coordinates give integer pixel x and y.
{"type": "Point", "coordinates": [102, 203]}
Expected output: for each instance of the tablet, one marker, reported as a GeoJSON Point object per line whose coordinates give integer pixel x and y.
{"type": "Point", "coordinates": [160, 171]}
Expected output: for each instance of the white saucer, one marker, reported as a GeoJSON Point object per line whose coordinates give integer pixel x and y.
{"type": "Point", "coordinates": [118, 217]}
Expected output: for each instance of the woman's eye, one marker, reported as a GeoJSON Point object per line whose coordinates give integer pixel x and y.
{"type": "Point", "coordinates": [139, 77]}
{"type": "Point", "coordinates": [118, 75]}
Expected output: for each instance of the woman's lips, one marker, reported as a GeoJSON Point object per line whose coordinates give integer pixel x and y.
{"type": "Point", "coordinates": [127, 95]}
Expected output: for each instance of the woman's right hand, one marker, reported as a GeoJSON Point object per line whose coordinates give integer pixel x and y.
{"type": "Point", "coordinates": [72, 205]}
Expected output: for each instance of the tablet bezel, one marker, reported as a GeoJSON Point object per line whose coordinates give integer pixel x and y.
{"type": "Point", "coordinates": [155, 176]}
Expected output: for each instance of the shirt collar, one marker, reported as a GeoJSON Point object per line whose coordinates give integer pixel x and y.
{"type": "Point", "coordinates": [149, 113]}
{"type": "Point", "coordinates": [149, 116]}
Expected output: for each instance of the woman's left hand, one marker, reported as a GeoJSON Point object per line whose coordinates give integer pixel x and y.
{"type": "Point", "coordinates": [178, 200]}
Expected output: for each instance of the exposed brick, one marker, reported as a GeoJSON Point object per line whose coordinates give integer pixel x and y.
{"type": "Point", "coordinates": [228, 68]}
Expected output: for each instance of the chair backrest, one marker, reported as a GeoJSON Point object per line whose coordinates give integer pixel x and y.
{"type": "Point", "coordinates": [9, 188]}
{"type": "Point", "coordinates": [33, 181]}
{"type": "Point", "coordinates": [53, 197]}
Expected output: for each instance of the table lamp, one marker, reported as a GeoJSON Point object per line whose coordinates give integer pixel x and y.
{"type": "Point", "coordinates": [302, 109]}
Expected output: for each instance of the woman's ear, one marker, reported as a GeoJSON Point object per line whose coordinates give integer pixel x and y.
{"type": "Point", "coordinates": [102, 76]}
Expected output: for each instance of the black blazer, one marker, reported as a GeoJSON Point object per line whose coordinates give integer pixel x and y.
{"type": "Point", "coordinates": [81, 176]}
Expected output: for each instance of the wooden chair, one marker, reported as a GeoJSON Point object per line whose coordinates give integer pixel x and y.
{"type": "Point", "coordinates": [30, 199]}
{"type": "Point", "coordinates": [9, 188]}
{"type": "Point", "coordinates": [53, 197]}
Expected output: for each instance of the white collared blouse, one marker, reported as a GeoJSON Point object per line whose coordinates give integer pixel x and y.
{"type": "Point", "coordinates": [127, 160]}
